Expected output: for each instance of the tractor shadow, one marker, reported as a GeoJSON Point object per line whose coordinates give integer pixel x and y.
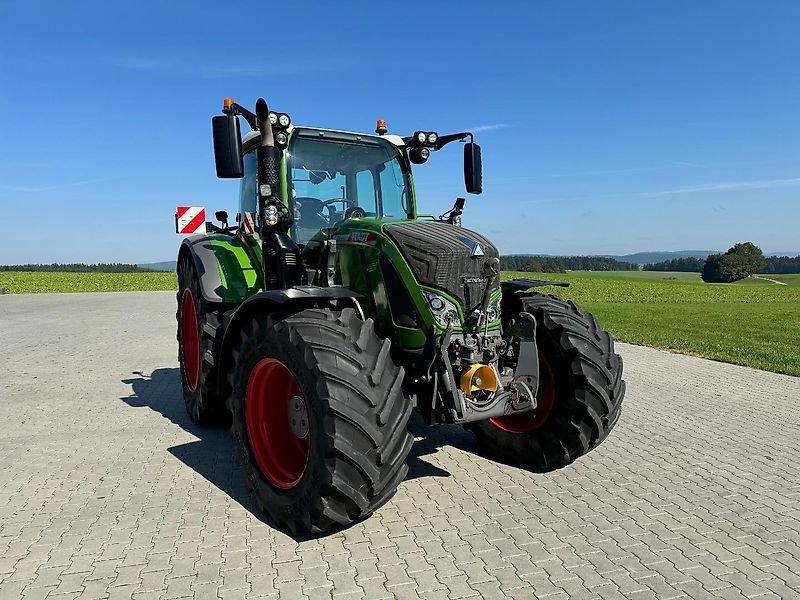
{"type": "Point", "coordinates": [212, 455]}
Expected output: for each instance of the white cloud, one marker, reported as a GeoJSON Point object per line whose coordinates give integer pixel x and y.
{"type": "Point", "coordinates": [732, 186]}
{"type": "Point", "coordinates": [478, 128]}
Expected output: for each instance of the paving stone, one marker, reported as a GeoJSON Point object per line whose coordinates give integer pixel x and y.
{"type": "Point", "coordinates": [693, 495]}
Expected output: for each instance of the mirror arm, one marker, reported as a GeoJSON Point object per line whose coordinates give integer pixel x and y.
{"type": "Point", "coordinates": [238, 109]}
{"type": "Point", "coordinates": [446, 139]}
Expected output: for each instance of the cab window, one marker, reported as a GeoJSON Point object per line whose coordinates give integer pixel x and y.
{"type": "Point", "coordinates": [365, 189]}
{"type": "Point", "coordinates": [248, 195]}
{"type": "Point", "coordinates": [332, 174]}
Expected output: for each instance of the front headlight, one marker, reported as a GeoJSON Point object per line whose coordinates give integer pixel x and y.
{"type": "Point", "coordinates": [444, 311]}
{"type": "Point", "coordinates": [271, 215]}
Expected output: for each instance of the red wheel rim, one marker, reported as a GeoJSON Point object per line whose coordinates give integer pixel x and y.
{"type": "Point", "coordinates": [278, 426]}
{"type": "Point", "coordinates": [545, 399]}
{"type": "Point", "coordinates": [190, 340]}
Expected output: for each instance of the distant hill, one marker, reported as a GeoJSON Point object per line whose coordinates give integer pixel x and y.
{"type": "Point", "coordinates": [790, 253]}
{"type": "Point", "coordinates": [167, 265]}
{"type": "Point", "coordinates": [643, 258]}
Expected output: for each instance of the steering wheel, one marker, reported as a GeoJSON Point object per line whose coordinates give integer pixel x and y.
{"type": "Point", "coordinates": [328, 205]}
{"type": "Point", "coordinates": [345, 202]}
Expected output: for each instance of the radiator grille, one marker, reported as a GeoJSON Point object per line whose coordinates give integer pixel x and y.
{"type": "Point", "coordinates": [447, 257]}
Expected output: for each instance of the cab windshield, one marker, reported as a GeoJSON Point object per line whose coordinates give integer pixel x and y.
{"type": "Point", "coordinates": [333, 176]}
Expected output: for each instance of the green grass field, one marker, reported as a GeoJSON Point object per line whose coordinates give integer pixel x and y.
{"type": "Point", "coordinates": [754, 322]}
{"type": "Point", "coordinates": [43, 283]}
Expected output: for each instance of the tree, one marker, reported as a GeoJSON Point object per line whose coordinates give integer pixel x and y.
{"type": "Point", "coordinates": [739, 262]}
{"type": "Point", "coordinates": [710, 272]}
{"type": "Point", "coordinates": [751, 255]}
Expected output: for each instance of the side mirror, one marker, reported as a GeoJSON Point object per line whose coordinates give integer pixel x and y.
{"type": "Point", "coordinates": [227, 146]}
{"type": "Point", "coordinates": [473, 170]}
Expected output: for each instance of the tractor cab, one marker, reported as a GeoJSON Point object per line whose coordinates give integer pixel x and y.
{"type": "Point", "coordinates": [332, 176]}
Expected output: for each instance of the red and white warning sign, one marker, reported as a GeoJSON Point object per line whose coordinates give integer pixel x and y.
{"type": "Point", "coordinates": [249, 222]}
{"type": "Point", "coordinates": [190, 219]}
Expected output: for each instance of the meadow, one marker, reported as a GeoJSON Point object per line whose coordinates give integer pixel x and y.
{"type": "Point", "coordinates": [755, 322]}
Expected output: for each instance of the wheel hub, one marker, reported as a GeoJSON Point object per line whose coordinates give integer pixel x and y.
{"type": "Point", "coordinates": [298, 417]}
{"type": "Point", "coordinates": [278, 423]}
{"type": "Point", "coordinates": [190, 340]}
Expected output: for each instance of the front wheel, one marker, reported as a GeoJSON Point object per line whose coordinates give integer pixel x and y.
{"type": "Point", "coordinates": [319, 417]}
{"type": "Point", "coordinates": [580, 390]}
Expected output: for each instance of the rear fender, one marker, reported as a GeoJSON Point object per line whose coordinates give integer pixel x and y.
{"type": "Point", "coordinates": [228, 268]}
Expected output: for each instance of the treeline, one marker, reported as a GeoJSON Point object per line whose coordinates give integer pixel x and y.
{"type": "Point", "coordinates": [559, 264]}
{"type": "Point", "coordinates": [685, 265]}
{"type": "Point", "coordinates": [781, 264]}
{"type": "Point", "coordinates": [78, 268]}
{"type": "Point", "coordinates": [772, 264]}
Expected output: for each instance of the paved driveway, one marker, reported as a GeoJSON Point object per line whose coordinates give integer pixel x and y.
{"type": "Point", "coordinates": [107, 490]}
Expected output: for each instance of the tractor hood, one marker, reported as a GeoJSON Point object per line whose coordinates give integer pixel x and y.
{"type": "Point", "coordinates": [454, 259]}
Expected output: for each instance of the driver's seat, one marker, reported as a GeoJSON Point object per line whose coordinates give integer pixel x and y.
{"type": "Point", "coordinates": [308, 218]}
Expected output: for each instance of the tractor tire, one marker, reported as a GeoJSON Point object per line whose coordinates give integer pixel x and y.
{"type": "Point", "coordinates": [580, 390]}
{"type": "Point", "coordinates": [198, 345]}
{"type": "Point", "coordinates": [319, 417]}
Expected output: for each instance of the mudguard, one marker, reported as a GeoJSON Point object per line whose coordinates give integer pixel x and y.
{"type": "Point", "coordinates": [520, 285]}
{"type": "Point", "coordinates": [228, 268]}
{"type": "Point", "coordinates": [289, 300]}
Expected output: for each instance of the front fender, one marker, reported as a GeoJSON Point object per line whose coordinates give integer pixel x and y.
{"type": "Point", "coordinates": [283, 302]}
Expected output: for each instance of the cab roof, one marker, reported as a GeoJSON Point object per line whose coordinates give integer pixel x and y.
{"type": "Point", "coordinates": [394, 139]}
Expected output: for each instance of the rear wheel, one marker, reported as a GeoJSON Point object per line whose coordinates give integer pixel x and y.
{"type": "Point", "coordinates": [198, 325]}
{"type": "Point", "coordinates": [580, 390]}
{"type": "Point", "coordinates": [319, 417]}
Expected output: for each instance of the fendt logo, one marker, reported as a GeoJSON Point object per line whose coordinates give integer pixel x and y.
{"type": "Point", "coordinates": [359, 237]}
{"type": "Point", "coordinates": [475, 248]}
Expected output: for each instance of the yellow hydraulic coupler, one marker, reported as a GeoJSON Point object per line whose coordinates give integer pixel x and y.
{"type": "Point", "coordinates": [478, 377]}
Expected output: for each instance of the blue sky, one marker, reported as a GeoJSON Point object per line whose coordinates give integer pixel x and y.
{"type": "Point", "coordinates": [606, 127]}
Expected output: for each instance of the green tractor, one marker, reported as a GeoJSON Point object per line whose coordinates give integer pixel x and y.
{"type": "Point", "coordinates": [332, 309]}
